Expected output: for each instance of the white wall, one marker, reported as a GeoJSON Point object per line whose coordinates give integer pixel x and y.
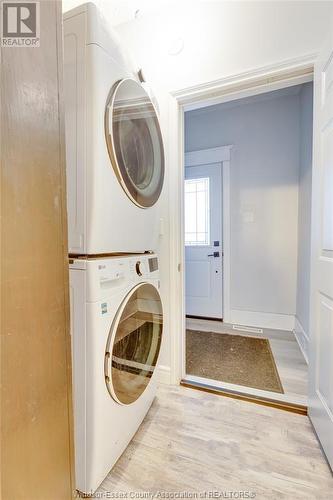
{"type": "Point", "coordinates": [265, 132]}
{"type": "Point", "coordinates": [222, 38]}
{"type": "Point", "coordinates": [304, 218]}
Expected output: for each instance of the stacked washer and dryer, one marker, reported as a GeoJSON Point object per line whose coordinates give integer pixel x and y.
{"type": "Point", "coordinates": [115, 171]}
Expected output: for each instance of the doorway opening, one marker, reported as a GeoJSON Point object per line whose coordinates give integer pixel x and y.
{"type": "Point", "coordinates": [247, 213]}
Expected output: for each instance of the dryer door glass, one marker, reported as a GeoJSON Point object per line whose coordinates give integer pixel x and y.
{"type": "Point", "coordinates": [134, 142]}
{"type": "Point", "coordinates": [134, 344]}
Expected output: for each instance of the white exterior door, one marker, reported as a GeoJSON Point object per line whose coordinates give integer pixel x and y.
{"type": "Point", "coordinates": [321, 341]}
{"type": "Point", "coordinates": [203, 240]}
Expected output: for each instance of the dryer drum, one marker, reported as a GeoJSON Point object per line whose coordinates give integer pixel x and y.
{"type": "Point", "coordinates": [134, 142]}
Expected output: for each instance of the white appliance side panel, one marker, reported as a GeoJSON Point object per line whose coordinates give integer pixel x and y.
{"type": "Point", "coordinates": [99, 32]}
{"type": "Point", "coordinates": [75, 119]}
{"type": "Point", "coordinates": [114, 222]}
{"type": "Point", "coordinates": [78, 336]}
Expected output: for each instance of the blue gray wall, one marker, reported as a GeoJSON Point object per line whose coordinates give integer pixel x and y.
{"type": "Point", "coordinates": [270, 237]}
{"type": "Point", "coordinates": [304, 208]}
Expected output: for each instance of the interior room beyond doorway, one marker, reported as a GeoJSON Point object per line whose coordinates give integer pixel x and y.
{"type": "Point", "coordinates": [269, 241]}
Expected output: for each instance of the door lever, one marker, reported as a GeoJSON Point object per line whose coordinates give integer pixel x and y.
{"type": "Point", "coordinates": [215, 254]}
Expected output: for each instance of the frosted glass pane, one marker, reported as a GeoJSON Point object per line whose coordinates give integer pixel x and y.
{"type": "Point", "coordinates": [201, 213]}
{"type": "Point", "coordinates": [201, 186]}
{"type": "Point", "coordinates": [190, 187]}
{"type": "Point", "coordinates": [190, 210]}
{"type": "Point", "coordinates": [201, 238]}
{"type": "Point", "coordinates": [197, 211]}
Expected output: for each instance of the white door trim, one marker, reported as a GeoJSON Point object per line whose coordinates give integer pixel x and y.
{"type": "Point", "coordinates": [257, 81]}
{"type": "Point", "coordinates": [220, 155]}
{"type": "Point", "coordinates": [260, 80]}
{"type": "Point", "coordinates": [205, 156]}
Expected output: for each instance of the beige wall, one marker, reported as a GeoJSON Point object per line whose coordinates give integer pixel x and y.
{"type": "Point", "coordinates": [35, 344]}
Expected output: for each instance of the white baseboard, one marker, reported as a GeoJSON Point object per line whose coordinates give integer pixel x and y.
{"type": "Point", "coordinates": [164, 374]}
{"type": "Point", "coordinates": [302, 339]}
{"type": "Point", "coordinates": [263, 320]}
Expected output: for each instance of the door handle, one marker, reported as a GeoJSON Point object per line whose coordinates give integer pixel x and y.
{"type": "Point", "coordinates": [215, 254]}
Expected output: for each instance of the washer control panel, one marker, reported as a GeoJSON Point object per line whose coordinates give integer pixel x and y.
{"type": "Point", "coordinates": [144, 265]}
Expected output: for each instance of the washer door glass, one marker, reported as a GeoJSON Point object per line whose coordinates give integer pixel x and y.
{"type": "Point", "coordinates": [134, 142]}
{"type": "Point", "coordinates": [134, 344]}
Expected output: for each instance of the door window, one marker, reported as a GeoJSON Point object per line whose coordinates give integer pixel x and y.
{"type": "Point", "coordinates": [134, 142]}
{"type": "Point", "coordinates": [197, 212]}
{"type": "Point", "coordinates": [134, 343]}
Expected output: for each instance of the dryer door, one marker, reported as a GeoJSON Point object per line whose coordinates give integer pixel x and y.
{"type": "Point", "coordinates": [134, 142]}
{"type": "Point", "coordinates": [134, 344]}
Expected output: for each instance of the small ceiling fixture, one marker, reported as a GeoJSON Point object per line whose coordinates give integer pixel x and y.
{"type": "Point", "coordinates": [176, 46]}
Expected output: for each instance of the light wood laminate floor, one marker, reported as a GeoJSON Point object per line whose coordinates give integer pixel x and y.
{"type": "Point", "coordinates": [192, 441]}
{"type": "Point", "coordinates": [288, 357]}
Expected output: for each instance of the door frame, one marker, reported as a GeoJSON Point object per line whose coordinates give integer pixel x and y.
{"type": "Point", "coordinates": [222, 156]}
{"type": "Point", "coordinates": [261, 80]}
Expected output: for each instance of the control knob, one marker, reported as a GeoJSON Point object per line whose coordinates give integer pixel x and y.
{"type": "Point", "coordinates": [138, 268]}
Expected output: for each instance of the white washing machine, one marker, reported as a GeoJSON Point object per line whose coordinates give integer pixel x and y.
{"type": "Point", "coordinates": [114, 146]}
{"type": "Point", "coordinates": [116, 327]}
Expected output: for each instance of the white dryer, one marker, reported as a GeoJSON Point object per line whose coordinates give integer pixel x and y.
{"type": "Point", "coordinates": [114, 147]}
{"type": "Point", "coordinates": [116, 327]}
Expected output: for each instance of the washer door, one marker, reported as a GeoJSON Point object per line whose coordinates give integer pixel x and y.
{"type": "Point", "coordinates": [134, 142]}
{"type": "Point", "coordinates": [134, 344]}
